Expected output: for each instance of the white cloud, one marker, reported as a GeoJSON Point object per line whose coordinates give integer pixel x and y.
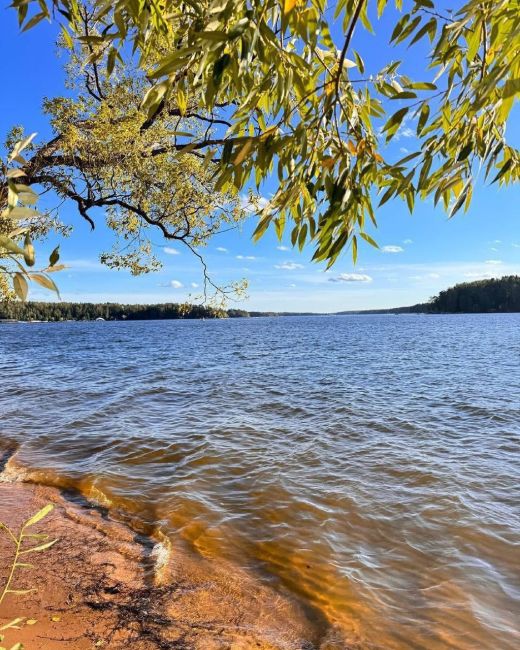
{"type": "Point", "coordinates": [494, 262]}
{"type": "Point", "coordinates": [516, 245]}
{"type": "Point", "coordinates": [392, 249]}
{"type": "Point", "coordinates": [478, 276]}
{"type": "Point", "coordinates": [283, 248]}
{"type": "Point", "coordinates": [194, 285]}
{"type": "Point", "coordinates": [259, 203]}
{"type": "Point", "coordinates": [170, 251]}
{"type": "Point", "coordinates": [494, 250]}
{"type": "Point", "coordinates": [497, 241]}
{"type": "Point", "coordinates": [426, 276]}
{"type": "Point", "coordinates": [289, 266]}
{"type": "Point", "coordinates": [407, 241]}
{"type": "Point", "coordinates": [221, 249]}
{"type": "Point", "coordinates": [175, 284]}
{"type": "Point", "coordinates": [292, 286]}
{"type": "Point", "coordinates": [351, 277]}
{"type": "Point", "coordinates": [246, 257]}
{"type": "Point", "coordinates": [404, 150]}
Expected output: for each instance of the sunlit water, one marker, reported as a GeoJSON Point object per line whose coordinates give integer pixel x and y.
{"type": "Point", "coordinates": [367, 463]}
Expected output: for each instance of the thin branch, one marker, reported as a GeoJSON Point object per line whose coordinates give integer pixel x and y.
{"type": "Point", "coordinates": [346, 44]}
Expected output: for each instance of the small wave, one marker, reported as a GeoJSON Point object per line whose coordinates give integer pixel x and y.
{"type": "Point", "coordinates": [161, 554]}
{"type": "Point", "coordinates": [12, 473]}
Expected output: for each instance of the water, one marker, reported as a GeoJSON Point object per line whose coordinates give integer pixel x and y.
{"type": "Point", "coordinates": [367, 463]}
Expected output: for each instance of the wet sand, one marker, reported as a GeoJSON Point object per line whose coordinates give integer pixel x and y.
{"type": "Point", "coordinates": [104, 586]}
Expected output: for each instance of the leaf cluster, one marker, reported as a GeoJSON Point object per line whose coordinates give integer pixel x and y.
{"type": "Point", "coordinates": [301, 107]}
{"type": "Point", "coordinates": [17, 223]}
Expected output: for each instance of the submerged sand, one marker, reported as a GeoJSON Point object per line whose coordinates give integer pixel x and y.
{"type": "Point", "coordinates": [104, 586]}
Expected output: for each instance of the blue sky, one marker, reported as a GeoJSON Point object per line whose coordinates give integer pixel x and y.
{"type": "Point", "coordinates": [420, 254]}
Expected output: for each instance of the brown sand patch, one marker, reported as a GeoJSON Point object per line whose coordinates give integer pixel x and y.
{"type": "Point", "coordinates": [99, 587]}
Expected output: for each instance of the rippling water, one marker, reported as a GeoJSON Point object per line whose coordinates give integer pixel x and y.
{"type": "Point", "coordinates": [367, 463]}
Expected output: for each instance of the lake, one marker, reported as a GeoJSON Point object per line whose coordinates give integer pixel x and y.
{"type": "Point", "coordinates": [368, 464]}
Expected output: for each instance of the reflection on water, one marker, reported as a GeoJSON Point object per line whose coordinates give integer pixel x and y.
{"type": "Point", "coordinates": [367, 463]}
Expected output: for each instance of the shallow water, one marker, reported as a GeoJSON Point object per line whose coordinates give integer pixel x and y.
{"type": "Point", "coordinates": [367, 463]}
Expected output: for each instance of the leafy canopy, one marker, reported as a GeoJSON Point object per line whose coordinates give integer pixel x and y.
{"type": "Point", "coordinates": [300, 105]}
{"type": "Point", "coordinates": [101, 158]}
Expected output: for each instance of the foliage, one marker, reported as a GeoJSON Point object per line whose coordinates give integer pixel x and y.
{"type": "Point", "coordinates": [493, 295]}
{"type": "Point", "coordinates": [102, 159]}
{"type": "Point", "coordinates": [37, 544]}
{"type": "Point", "coordinates": [59, 311]}
{"type": "Point", "coordinates": [18, 224]}
{"type": "Point", "coordinates": [82, 311]}
{"type": "Point", "coordinates": [282, 96]}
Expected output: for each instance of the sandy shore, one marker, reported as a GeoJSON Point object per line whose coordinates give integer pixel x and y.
{"type": "Point", "coordinates": [104, 586]}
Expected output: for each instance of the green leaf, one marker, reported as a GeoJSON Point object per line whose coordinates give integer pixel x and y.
{"type": "Point", "coordinates": [20, 286]}
{"type": "Point", "coordinates": [369, 239]}
{"type": "Point", "coordinates": [20, 146]}
{"type": "Point", "coordinates": [67, 38]}
{"type": "Point", "coordinates": [460, 200]}
{"type": "Point", "coordinates": [423, 118]}
{"type": "Point", "coordinates": [10, 246]}
{"type": "Point", "coordinates": [359, 62]}
{"type": "Point", "coordinates": [393, 124]}
{"type": "Point", "coordinates": [54, 256]}
{"type": "Point", "coordinates": [387, 195]}
{"type": "Point", "coordinates": [20, 592]}
{"type": "Point", "coordinates": [39, 515]}
{"type": "Point", "coordinates": [505, 168]}
{"type": "Point", "coordinates": [22, 213]}
{"type": "Point", "coordinates": [44, 281]}
{"type": "Point", "coordinates": [28, 251]}
{"type": "Point", "coordinates": [261, 227]}
{"type": "Point", "coordinates": [37, 549]}
{"type": "Point", "coordinates": [422, 85]}
{"type": "Point", "coordinates": [55, 268]}
{"type": "Point", "coordinates": [111, 60]}
{"type": "Point", "coordinates": [404, 95]}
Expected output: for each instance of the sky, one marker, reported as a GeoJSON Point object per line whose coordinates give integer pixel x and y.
{"type": "Point", "coordinates": [419, 255]}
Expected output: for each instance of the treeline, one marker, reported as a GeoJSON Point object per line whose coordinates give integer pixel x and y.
{"type": "Point", "coordinates": [494, 295]}
{"type": "Point", "coordinates": [62, 311]}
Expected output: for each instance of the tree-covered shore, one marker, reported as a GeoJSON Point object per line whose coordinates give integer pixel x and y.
{"type": "Point", "coordinates": [85, 311]}
{"type": "Point", "coordinates": [494, 295]}
{"type": "Point", "coordinates": [483, 296]}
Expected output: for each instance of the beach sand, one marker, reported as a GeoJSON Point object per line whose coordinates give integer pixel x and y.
{"type": "Point", "coordinates": [104, 586]}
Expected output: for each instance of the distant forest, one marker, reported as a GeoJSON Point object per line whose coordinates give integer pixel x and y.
{"type": "Point", "coordinates": [496, 295]}
{"type": "Point", "coordinates": [482, 296]}
{"type": "Point", "coordinates": [62, 311]}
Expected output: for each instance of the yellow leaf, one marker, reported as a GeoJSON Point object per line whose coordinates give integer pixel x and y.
{"type": "Point", "coordinates": [243, 152]}
{"type": "Point", "coordinates": [268, 132]}
{"type": "Point", "coordinates": [288, 6]}
{"type": "Point", "coordinates": [20, 286]}
{"type": "Point", "coordinates": [182, 100]}
{"type": "Point", "coordinates": [39, 515]}
{"type": "Point", "coordinates": [55, 619]}
{"type": "Point", "coordinates": [31, 621]}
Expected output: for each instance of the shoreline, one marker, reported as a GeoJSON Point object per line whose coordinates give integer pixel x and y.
{"type": "Point", "coordinates": [102, 585]}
